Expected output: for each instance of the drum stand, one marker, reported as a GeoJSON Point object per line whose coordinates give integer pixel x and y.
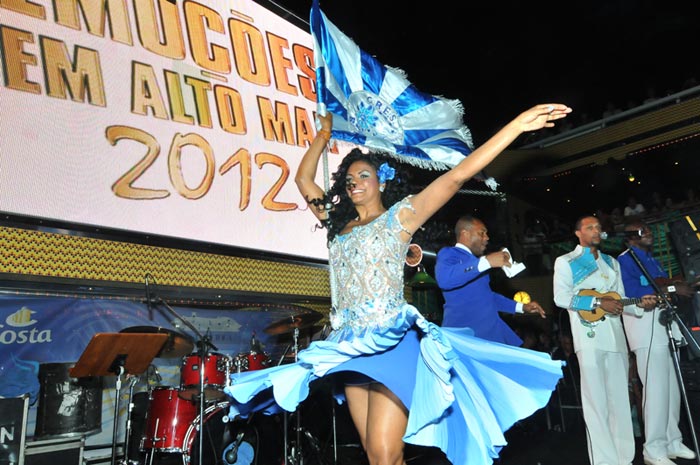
{"type": "Point", "coordinates": [295, 457]}
{"type": "Point", "coordinates": [127, 431]}
{"type": "Point", "coordinates": [203, 353]}
{"type": "Point", "coordinates": [295, 322]}
{"type": "Point", "coordinates": [204, 343]}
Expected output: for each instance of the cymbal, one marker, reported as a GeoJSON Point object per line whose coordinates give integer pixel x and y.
{"type": "Point", "coordinates": [177, 345]}
{"type": "Point", "coordinates": [292, 322]}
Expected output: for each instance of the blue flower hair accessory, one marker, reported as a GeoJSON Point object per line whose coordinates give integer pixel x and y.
{"type": "Point", "coordinates": [385, 173]}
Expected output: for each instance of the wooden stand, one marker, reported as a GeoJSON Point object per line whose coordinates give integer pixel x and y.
{"type": "Point", "coordinates": [110, 354]}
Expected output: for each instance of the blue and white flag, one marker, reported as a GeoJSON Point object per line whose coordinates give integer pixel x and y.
{"type": "Point", "coordinates": [376, 106]}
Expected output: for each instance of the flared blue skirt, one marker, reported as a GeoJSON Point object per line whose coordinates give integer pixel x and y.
{"type": "Point", "coordinates": [462, 392]}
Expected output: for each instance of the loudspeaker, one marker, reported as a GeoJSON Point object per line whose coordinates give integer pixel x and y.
{"type": "Point", "coordinates": [691, 376]}
{"type": "Point", "coordinates": [685, 234]}
{"type": "Point", "coordinates": [13, 429]}
{"type": "Point", "coordinates": [694, 407]}
{"type": "Point", "coordinates": [690, 265]}
{"type": "Point", "coordinates": [67, 406]}
{"type": "Point", "coordinates": [66, 451]}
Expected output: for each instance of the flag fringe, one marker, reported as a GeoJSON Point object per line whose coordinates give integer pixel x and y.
{"type": "Point", "coordinates": [422, 163]}
{"type": "Point", "coordinates": [398, 71]}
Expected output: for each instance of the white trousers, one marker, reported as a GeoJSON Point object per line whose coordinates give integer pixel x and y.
{"type": "Point", "coordinates": [662, 401]}
{"type": "Point", "coordinates": [606, 406]}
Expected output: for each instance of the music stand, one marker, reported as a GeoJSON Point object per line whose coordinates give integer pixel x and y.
{"type": "Point", "coordinates": [110, 354]}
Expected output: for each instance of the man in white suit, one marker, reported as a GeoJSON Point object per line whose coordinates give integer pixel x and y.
{"type": "Point", "coordinates": [599, 342]}
{"type": "Point", "coordinates": [648, 339]}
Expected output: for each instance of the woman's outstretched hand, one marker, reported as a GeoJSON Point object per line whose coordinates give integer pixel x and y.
{"type": "Point", "coordinates": [542, 116]}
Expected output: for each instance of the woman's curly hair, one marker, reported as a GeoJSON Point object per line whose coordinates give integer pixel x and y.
{"type": "Point", "coordinates": [343, 209]}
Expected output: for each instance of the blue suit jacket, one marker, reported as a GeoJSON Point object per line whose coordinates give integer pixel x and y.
{"type": "Point", "coordinates": [469, 300]}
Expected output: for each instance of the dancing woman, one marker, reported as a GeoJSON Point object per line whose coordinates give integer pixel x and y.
{"type": "Point", "coordinates": [404, 378]}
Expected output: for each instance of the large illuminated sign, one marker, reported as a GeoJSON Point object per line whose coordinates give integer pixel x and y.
{"type": "Point", "coordinates": [184, 119]}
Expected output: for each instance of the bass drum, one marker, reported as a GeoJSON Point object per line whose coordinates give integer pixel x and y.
{"type": "Point", "coordinates": [221, 436]}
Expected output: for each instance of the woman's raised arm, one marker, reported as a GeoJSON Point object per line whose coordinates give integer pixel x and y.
{"type": "Point", "coordinates": [305, 178]}
{"type": "Point", "coordinates": [442, 189]}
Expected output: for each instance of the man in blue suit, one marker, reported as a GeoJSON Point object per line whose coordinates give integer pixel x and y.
{"type": "Point", "coordinates": [461, 274]}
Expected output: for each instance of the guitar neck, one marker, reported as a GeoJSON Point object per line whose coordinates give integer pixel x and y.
{"type": "Point", "coordinates": [599, 313]}
{"type": "Point", "coordinates": [631, 300]}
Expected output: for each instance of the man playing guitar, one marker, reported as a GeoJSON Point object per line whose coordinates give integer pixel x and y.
{"type": "Point", "coordinates": [600, 346]}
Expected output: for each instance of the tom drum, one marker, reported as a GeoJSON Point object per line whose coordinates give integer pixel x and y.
{"type": "Point", "coordinates": [217, 368]}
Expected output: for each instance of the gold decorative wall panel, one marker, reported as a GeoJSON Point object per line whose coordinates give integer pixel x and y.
{"type": "Point", "coordinates": [43, 254]}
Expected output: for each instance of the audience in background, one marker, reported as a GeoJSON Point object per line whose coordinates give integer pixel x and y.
{"type": "Point", "coordinates": [669, 203]}
{"type": "Point", "coordinates": [650, 94]}
{"type": "Point", "coordinates": [533, 244]}
{"type": "Point", "coordinates": [559, 230]}
{"type": "Point", "coordinates": [657, 204]}
{"type": "Point", "coordinates": [633, 208]}
{"type": "Point", "coordinates": [565, 351]}
{"type": "Point", "coordinates": [617, 219]}
{"type": "Point", "coordinates": [691, 199]}
{"type": "Point", "coordinates": [544, 232]}
{"type": "Point", "coordinates": [605, 219]}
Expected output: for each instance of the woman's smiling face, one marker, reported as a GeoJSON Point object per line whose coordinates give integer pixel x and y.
{"type": "Point", "coordinates": [361, 181]}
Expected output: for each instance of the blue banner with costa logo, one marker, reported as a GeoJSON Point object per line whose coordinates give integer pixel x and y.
{"type": "Point", "coordinates": [41, 335]}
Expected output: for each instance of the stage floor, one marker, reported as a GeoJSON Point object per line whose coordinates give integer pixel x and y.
{"type": "Point", "coordinates": [533, 441]}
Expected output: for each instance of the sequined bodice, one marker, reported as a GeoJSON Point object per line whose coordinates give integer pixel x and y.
{"type": "Point", "coordinates": [367, 272]}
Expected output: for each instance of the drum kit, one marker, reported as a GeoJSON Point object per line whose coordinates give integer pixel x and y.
{"type": "Point", "coordinates": [175, 415]}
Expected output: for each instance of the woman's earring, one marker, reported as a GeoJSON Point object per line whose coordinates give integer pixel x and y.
{"type": "Point", "coordinates": [381, 188]}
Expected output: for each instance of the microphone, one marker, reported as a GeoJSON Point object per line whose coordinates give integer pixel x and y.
{"type": "Point", "coordinates": [255, 346]}
{"type": "Point", "coordinates": [148, 298]}
{"type": "Point", "coordinates": [603, 235]}
{"type": "Point", "coordinates": [159, 378]}
{"type": "Point", "coordinates": [231, 454]}
{"type": "Point", "coordinates": [665, 317]}
{"type": "Point", "coordinates": [152, 372]}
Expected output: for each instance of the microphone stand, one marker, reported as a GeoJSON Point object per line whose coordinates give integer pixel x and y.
{"type": "Point", "coordinates": [204, 342]}
{"type": "Point", "coordinates": [667, 317]}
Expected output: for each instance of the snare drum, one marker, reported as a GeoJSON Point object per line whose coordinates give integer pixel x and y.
{"type": "Point", "coordinates": [167, 420]}
{"type": "Point", "coordinates": [217, 368]}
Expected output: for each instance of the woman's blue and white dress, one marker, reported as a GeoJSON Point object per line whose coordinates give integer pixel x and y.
{"type": "Point", "coordinates": [462, 392]}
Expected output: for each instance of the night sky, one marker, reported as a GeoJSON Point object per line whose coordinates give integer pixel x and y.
{"type": "Point", "coordinates": [499, 58]}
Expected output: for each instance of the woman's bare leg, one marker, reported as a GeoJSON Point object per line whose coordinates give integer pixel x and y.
{"type": "Point", "coordinates": [358, 405]}
{"type": "Point", "coordinates": [381, 419]}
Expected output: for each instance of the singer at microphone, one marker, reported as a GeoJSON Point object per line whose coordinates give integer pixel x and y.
{"type": "Point", "coordinates": [648, 338]}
